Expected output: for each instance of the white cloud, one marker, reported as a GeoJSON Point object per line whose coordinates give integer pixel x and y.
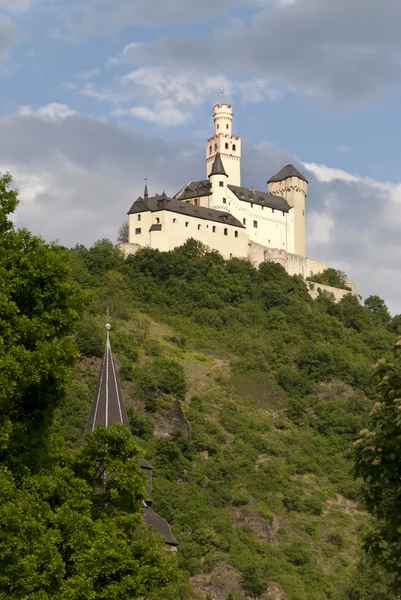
{"type": "Point", "coordinates": [163, 114]}
{"type": "Point", "coordinates": [127, 55]}
{"type": "Point", "coordinates": [8, 36]}
{"type": "Point", "coordinates": [51, 112]}
{"type": "Point", "coordinates": [168, 97]}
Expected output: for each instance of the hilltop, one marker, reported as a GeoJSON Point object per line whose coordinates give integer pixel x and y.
{"type": "Point", "coordinates": [246, 395]}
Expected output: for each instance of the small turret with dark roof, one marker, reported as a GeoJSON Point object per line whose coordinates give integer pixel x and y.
{"type": "Point", "coordinates": [287, 172]}
{"type": "Point", "coordinates": [218, 167]}
{"type": "Point", "coordinates": [108, 409]}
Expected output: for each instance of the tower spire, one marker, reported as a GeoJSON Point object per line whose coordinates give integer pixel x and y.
{"type": "Point", "coordinates": [145, 194]}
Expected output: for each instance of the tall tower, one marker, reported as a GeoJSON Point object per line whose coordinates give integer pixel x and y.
{"type": "Point", "coordinates": [291, 184]}
{"type": "Point", "coordinates": [226, 143]}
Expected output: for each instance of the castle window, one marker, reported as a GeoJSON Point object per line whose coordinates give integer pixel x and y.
{"type": "Point", "coordinates": [186, 223]}
{"type": "Point", "coordinates": [303, 212]}
{"type": "Point", "coordinates": [137, 231]}
{"type": "Point", "coordinates": [214, 229]}
{"type": "Point", "coordinates": [174, 220]}
{"type": "Point", "coordinates": [210, 149]}
{"type": "Point", "coordinates": [157, 220]}
{"type": "Point", "coordinates": [236, 234]}
{"type": "Point", "coordinates": [215, 146]}
{"type": "Point", "coordinates": [255, 224]}
{"type": "Point", "coordinates": [227, 126]}
{"type": "Point", "coordinates": [251, 204]}
{"type": "Point", "coordinates": [199, 227]}
{"type": "Point", "coordinates": [231, 255]}
{"type": "Point", "coordinates": [221, 183]}
{"type": "Point", "coordinates": [273, 210]}
{"type": "Point", "coordinates": [226, 231]}
{"type": "Point", "coordinates": [196, 202]}
{"type": "Point", "coordinates": [234, 147]}
{"type": "Point", "coordinates": [244, 221]}
{"type": "Point", "coordinates": [224, 200]}
{"type": "Point", "coordinates": [218, 126]}
{"type": "Point", "coordinates": [139, 217]}
{"type": "Point", "coordinates": [226, 145]}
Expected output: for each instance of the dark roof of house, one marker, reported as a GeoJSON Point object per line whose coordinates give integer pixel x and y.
{"type": "Point", "coordinates": [107, 404]}
{"type": "Point", "coordinates": [157, 203]}
{"type": "Point", "coordinates": [287, 172]}
{"type": "Point", "coordinates": [261, 198]}
{"type": "Point", "coordinates": [194, 189]}
{"type": "Point", "coordinates": [107, 409]}
{"type": "Point", "coordinates": [154, 520]}
{"type": "Point", "coordinates": [218, 167]}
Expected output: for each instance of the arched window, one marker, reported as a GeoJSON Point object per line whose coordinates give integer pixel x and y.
{"type": "Point", "coordinates": [226, 145]}
{"type": "Point", "coordinates": [139, 217]}
{"type": "Point", "coordinates": [199, 227]}
{"type": "Point", "coordinates": [174, 220]}
{"type": "Point", "coordinates": [214, 229]}
{"type": "Point", "coordinates": [234, 147]}
{"type": "Point", "coordinates": [186, 223]}
{"type": "Point", "coordinates": [236, 234]}
{"type": "Point", "coordinates": [157, 220]}
{"type": "Point", "coordinates": [226, 231]}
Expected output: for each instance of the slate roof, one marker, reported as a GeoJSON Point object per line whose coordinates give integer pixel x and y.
{"type": "Point", "coordinates": [107, 405]}
{"type": "Point", "coordinates": [157, 203]}
{"type": "Point", "coordinates": [260, 198]}
{"type": "Point", "coordinates": [218, 167]}
{"type": "Point", "coordinates": [194, 189]}
{"type": "Point", "coordinates": [287, 172]}
{"type": "Point", "coordinates": [107, 409]}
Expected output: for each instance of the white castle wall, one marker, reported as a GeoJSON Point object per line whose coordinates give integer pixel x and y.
{"type": "Point", "coordinates": [315, 288]}
{"type": "Point", "coordinates": [275, 229]}
{"type": "Point", "coordinates": [177, 229]}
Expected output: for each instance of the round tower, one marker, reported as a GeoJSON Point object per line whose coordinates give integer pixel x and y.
{"type": "Point", "coordinates": [225, 143]}
{"type": "Point", "coordinates": [291, 184]}
{"type": "Point", "coordinates": [218, 180]}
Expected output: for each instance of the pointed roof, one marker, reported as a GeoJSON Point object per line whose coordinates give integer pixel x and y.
{"type": "Point", "coordinates": [108, 409]}
{"type": "Point", "coordinates": [107, 404]}
{"type": "Point", "coordinates": [287, 172]}
{"type": "Point", "coordinates": [218, 167]}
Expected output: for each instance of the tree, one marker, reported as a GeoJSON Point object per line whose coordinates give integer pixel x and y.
{"type": "Point", "coordinates": [68, 533]}
{"type": "Point", "coordinates": [122, 236]}
{"type": "Point", "coordinates": [379, 309]}
{"type": "Point", "coordinates": [39, 304]}
{"type": "Point", "coordinates": [378, 462]}
{"type": "Point", "coordinates": [332, 277]}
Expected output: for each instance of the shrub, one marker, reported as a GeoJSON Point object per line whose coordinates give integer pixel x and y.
{"type": "Point", "coordinates": [90, 338]}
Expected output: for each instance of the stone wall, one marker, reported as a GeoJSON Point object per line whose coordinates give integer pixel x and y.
{"type": "Point", "coordinates": [338, 293]}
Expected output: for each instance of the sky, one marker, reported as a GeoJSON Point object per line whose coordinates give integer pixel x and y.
{"type": "Point", "coordinates": [96, 96]}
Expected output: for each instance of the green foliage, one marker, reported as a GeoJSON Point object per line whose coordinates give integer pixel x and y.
{"type": "Point", "coordinates": [280, 385]}
{"type": "Point", "coordinates": [141, 426]}
{"type": "Point", "coordinates": [66, 533]}
{"type": "Point", "coordinates": [331, 277]}
{"type": "Point", "coordinates": [89, 338]}
{"type": "Point", "coordinates": [160, 377]}
{"type": "Point", "coordinates": [378, 462]}
{"type": "Point", "coordinates": [39, 304]}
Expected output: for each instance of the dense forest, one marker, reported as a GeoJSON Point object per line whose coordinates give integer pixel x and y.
{"type": "Point", "coordinates": [247, 397]}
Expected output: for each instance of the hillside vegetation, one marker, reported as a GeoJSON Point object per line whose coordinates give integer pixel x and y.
{"type": "Point", "coordinates": [246, 396]}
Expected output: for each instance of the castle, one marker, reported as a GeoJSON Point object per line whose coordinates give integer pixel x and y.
{"type": "Point", "coordinates": [236, 221]}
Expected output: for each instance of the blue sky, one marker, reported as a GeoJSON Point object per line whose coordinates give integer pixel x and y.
{"type": "Point", "coordinates": [97, 95]}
